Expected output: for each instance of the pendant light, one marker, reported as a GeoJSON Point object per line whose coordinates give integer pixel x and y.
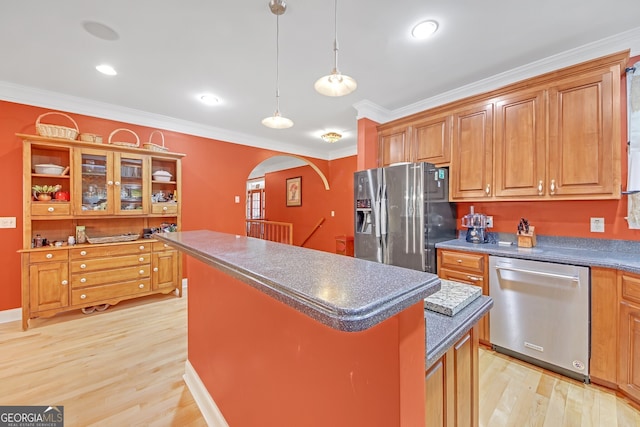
{"type": "Point", "coordinates": [277, 121]}
{"type": "Point", "coordinates": [335, 84]}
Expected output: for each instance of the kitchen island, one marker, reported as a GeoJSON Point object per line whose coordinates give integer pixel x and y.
{"type": "Point", "coordinates": [281, 335]}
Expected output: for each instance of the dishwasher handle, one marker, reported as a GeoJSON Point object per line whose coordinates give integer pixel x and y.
{"type": "Point", "coordinates": [539, 273]}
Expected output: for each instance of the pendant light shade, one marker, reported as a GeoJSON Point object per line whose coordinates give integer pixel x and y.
{"type": "Point", "coordinates": [336, 83]}
{"type": "Point", "coordinates": [278, 7]}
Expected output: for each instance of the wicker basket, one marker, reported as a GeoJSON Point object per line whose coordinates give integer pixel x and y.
{"type": "Point", "coordinates": [114, 239]}
{"type": "Point", "coordinates": [155, 147]}
{"type": "Point", "coordinates": [124, 144]}
{"type": "Point", "coordinates": [90, 137]}
{"type": "Point", "coordinates": [55, 131]}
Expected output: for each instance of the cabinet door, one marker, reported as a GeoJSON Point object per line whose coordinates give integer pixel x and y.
{"type": "Point", "coordinates": [584, 135]}
{"type": "Point", "coordinates": [164, 273]}
{"type": "Point", "coordinates": [93, 182]}
{"type": "Point", "coordinates": [629, 363]}
{"type": "Point", "coordinates": [165, 189]}
{"type": "Point", "coordinates": [48, 286]}
{"type": "Point", "coordinates": [130, 183]}
{"type": "Point", "coordinates": [520, 145]}
{"type": "Point", "coordinates": [394, 146]}
{"type": "Point", "coordinates": [432, 140]}
{"type": "Point", "coordinates": [472, 160]}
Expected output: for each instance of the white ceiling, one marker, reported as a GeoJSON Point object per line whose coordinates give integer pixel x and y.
{"type": "Point", "coordinates": [170, 51]}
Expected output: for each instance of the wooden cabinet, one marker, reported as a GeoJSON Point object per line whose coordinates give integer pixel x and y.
{"type": "Point", "coordinates": [472, 161]}
{"type": "Point", "coordinates": [111, 191]}
{"type": "Point", "coordinates": [452, 385]}
{"type": "Point", "coordinates": [471, 269]}
{"type": "Point", "coordinates": [394, 145]}
{"type": "Point", "coordinates": [431, 139]}
{"type": "Point", "coordinates": [604, 326]}
{"type": "Point", "coordinates": [629, 335]}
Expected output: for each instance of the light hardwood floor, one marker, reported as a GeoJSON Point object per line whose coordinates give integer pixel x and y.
{"type": "Point", "coordinates": [124, 367]}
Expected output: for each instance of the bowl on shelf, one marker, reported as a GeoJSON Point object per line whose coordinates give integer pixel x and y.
{"type": "Point", "coordinates": [49, 169]}
{"type": "Point", "coordinates": [162, 176]}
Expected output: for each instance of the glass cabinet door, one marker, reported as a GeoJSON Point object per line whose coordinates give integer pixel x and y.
{"type": "Point", "coordinates": [95, 180]}
{"type": "Point", "coordinates": [130, 171]}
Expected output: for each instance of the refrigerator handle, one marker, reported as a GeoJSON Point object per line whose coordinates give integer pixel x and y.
{"type": "Point", "coordinates": [383, 211]}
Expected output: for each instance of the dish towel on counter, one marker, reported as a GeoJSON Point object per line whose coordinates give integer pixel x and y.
{"type": "Point", "coordinates": [633, 117]}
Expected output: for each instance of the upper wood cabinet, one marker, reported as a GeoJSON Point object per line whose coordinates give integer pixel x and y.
{"type": "Point", "coordinates": [554, 136]}
{"type": "Point", "coordinates": [472, 162]}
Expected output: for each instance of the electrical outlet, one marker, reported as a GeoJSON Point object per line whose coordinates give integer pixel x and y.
{"type": "Point", "coordinates": [489, 221]}
{"type": "Point", "coordinates": [237, 199]}
{"type": "Point", "coordinates": [597, 225]}
{"type": "Point", "coordinates": [8, 222]}
{"type": "Point", "coordinates": [333, 213]}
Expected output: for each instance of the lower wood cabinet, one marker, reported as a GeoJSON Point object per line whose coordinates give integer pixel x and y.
{"type": "Point", "coordinates": [452, 385]}
{"type": "Point", "coordinates": [67, 278]}
{"type": "Point", "coordinates": [629, 336]}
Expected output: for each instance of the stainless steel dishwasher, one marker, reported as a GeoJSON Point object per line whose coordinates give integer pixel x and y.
{"type": "Point", "coordinates": [541, 314]}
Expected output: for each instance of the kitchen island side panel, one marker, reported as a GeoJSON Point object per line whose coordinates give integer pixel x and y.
{"type": "Point", "coordinates": [264, 363]}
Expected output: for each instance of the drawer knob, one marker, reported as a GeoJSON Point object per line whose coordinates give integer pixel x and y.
{"type": "Point", "coordinates": [83, 280]}
{"type": "Point", "coordinates": [164, 208]}
{"type": "Point", "coordinates": [141, 259]}
{"type": "Point", "coordinates": [141, 285]}
{"type": "Point", "coordinates": [141, 247]}
{"type": "Point", "coordinates": [473, 278]}
{"type": "Point", "coordinates": [155, 268]}
{"type": "Point", "coordinates": [49, 256]}
{"type": "Point", "coordinates": [64, 282]}
{"type": "Point", "coordinates": [459, 261]}
{"type": "Point", "coordinates": [83, 296]}
{"type": "Point", "coordinates": [83, 253]}
{"type": "Point", "coordinates": [166, 246]}
{"type": "Point", "coordinates": [50, 209]}
{"type": "Point", "coordinates": [141, 271]}
{"type": "Point", "coordinates": [83, 265]}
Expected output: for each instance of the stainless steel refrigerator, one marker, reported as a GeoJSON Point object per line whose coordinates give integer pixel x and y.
{"type": "Point", "coordinates": [401, 212]}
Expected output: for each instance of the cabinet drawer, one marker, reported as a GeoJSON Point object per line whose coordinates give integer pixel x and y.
{"type": "Point", "coordinates": [110, 250]}
{"type": "Point", "coordinates": [93, 278]}
{"type": "Point", "coordinates": [162, 246]}
{"type": "Point", "coordinates": [462, 277]}
{"type": "Point", "coordinates": [164, 208]}
{"type": "Point", "coordinates": [631, 287]}
{"type": "Point", "coordinates": [50, 209]}
{"type": "Point", "coordinates": [92, 295]}
{"type": "Point", "coordinates": [467, 261]}
{"type": "Point", "coordinates": [92, 264]}
{"type": "Point", "coordinates": [49, 255]}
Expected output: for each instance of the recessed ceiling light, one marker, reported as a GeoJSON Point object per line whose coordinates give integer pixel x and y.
{"type": "Point", "coordinates": [424, 30]}
{"type": "Point", "coordinates": [106, 69]}
{"type": "Point", "coordinates": [208, 99]}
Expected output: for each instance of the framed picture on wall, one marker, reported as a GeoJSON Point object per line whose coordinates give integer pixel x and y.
{"type": "Point", "coordinates": [294, 191]}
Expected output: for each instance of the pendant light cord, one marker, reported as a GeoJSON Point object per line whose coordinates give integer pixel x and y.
{"type": "Point", "coordinates": [278, 64]}
{"type": "Point", "coordinates": [335, 36]}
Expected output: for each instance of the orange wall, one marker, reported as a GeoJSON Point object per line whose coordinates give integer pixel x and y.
{"type": "Point", "coordinates": [317, 202]}
{"type": "Point", "coordinates": [214, 172]}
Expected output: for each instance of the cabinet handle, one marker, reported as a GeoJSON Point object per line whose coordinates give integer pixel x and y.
{"type": "Point", "coordinates": [83, 265]}
{"type": "Point", "coordinates": [540, 188]}
{"type": "Point", "coordinates": [473, 278]}
{"type": "Point", "coordinates": [117, 182]}
{"type": "Point", "coordinates": [155, 268]}
{"type": "Point", "coordinates": [141, 259]}
{"type": "Point", "coordinates": [109, 182]}
{"type": "Point", "coordinates": [166, 246]}
{"type": "Point", "coordinates": [552, 187]}
{"type": "Point", "coordinates": [141, 272]}
{"type": "Point", "coordinates": [164, 208]}
{"type": "Point", "coordinates": [50, 209]}
{"type": "Point", "coordinates": [83, 296]}
{"type": "Point", "coordinates": [83, 280]}
{"type": "Point", "coordinates": [83, 253]}
{"type": "Point", "coordinates": [141, 285]}
{"type": "Point", "coordinates": [49, 256]}
{"type": "Point", "coordinates": [141, 247]}
{"type": "Point", "coordinates": [459, 261]}
{"type": "Point", "coordinates": [488, 189]}
{"type": "Point", "coordinates": [64, 282]}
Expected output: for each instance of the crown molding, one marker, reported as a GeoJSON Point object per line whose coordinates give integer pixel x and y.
{"type": "Point", "coordinates": [57, 101]}
{"type": "Point", "coordinates": [626, 40]}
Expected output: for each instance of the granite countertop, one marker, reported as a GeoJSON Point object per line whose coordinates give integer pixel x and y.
{"type": "Point", "coordinates": [444, 331]}
{"type": "Point", "coordinates": [345, 293]}
{"type": "Point", "coordinates": [616, 254]}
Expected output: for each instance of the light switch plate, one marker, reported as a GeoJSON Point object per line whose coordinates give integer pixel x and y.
{"type": "Point", "coordinates": [597, 225]}
{"type": "Point", "coordinates": [8, 222]}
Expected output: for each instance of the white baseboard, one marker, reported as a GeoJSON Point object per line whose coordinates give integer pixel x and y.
{"type": "Point", "coordinates": [207, 406]}
{"type": "Point", "coordinates": [11, 315]}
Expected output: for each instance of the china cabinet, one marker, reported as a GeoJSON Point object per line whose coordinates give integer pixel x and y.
{"type": "Point", "coordinates": [119, 195]}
